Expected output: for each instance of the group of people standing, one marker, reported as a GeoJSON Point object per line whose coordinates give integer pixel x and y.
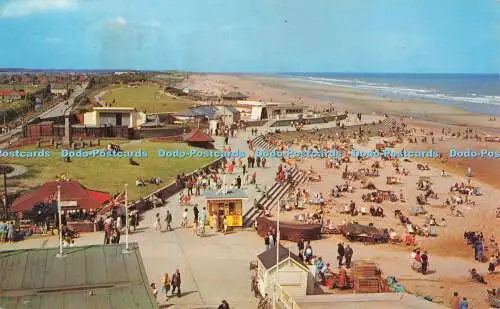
{"type": "Point", "coordinates": [112, 230]}
{"type": "Point", "coordinates": [344, 252]}
{"type": "Point", "coordinates": [271, 239]}
{"type": "Point", "coordinates": [421, 261]}
{"type": "Point", "coordinates": [168, 282]}
{"type": "Point", "coordinates": [7, 231]}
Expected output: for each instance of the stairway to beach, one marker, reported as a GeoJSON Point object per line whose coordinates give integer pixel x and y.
{"type": "Point", "coordinates": [260, 143]}
{"type": "Point", "coordinates": [275, 193]}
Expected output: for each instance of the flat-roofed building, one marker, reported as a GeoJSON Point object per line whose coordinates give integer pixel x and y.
{"type": "Point", "coordinates": [114, 116]}
{"type": "Point", "coordinates": [272, 110]}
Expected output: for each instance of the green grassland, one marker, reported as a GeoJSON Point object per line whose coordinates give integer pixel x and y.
{"type": "Point", "coordinates": [149, 98]}
{"type": "Point", "coordinates": [109, 174]}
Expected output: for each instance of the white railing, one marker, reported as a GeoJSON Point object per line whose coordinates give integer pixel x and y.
{"type": "Point", "coordinates": [286, 299]}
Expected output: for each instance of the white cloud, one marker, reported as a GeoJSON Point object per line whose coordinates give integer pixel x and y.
{"type": "Point", "coordinates": [119, 21]}
{"type": "Point", "coordinates": [20, 8]}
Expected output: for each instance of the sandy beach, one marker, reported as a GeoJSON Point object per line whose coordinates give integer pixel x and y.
{"type": "Point", "coordinates": [427, 119]}
{"type": "Point", "coordinates": [268, 88]}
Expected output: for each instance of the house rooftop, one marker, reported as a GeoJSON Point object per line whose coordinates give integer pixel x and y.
{"type": "Point", "coordinates": [268, 257]}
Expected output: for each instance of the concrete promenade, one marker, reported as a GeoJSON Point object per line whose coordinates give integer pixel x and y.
{"type": "Point", "coordinates": [212, 268]}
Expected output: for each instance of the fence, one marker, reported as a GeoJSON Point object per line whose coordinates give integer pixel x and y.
{"type": "Point", "coordinates": [286, 299]}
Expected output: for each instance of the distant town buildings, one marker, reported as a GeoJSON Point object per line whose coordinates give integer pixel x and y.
{"type": "Point", "coordinates": [59, 89]}
{"type": "Point", "coordinates": [8, 95]}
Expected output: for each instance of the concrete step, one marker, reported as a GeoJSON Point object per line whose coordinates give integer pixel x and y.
{"type": "Point", "coordinates": [273, 198]}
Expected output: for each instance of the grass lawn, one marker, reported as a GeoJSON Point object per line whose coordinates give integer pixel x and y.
{"type": "Point", "coordinates": [110, 174]}
{"type": "Point", "coordinates": [147, 98]}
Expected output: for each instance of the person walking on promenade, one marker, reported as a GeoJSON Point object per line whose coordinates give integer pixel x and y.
{"type": "Point", "coordinates": [267, 242]}
{"type": "Point", "coordinates": [157, 223]}
{"type": "Point", "coordinates": [166, 284]}
{"type": "Point", "coordinates": [196, 214]}
{"type": "Point", "coordinates": [168, 220]}
{"type": "Point", "coordinates": [184, 222]}
{"type": "Point", "coordinates": [176, 283]}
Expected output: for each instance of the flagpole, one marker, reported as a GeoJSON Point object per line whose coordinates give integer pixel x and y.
{"type": "Point", "coordinates": [60, 220]}
{"type": "Point", "coordinates": [276, 279]}
{"type": "Point", "coordinates": [126, 221]}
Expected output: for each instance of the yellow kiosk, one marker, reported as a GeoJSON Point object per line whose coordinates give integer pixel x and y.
{"type": "Point", "coordinates": [225, 203]}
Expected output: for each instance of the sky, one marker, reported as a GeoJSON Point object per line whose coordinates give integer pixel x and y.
{"type": "Point", "coordinates": [255, 36]}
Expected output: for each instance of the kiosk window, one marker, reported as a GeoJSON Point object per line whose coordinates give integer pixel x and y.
{"type": "Point", "coordinates": [234, 209]}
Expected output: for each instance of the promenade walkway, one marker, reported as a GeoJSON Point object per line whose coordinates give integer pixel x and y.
{"type": "Point", "coordinates": [214, 267]}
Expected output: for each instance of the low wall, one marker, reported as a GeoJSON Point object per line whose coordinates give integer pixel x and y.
{"type": "Point", "coordinates": [316, 120]}
{"type": "Point", "coordinates": [170, 189]}
{"type": "Point", "coordinates": [157, 132]}
{"type": "Point", "coordinates": [255, 123]}
{"type": "Point", "coordinates": [289, 231]}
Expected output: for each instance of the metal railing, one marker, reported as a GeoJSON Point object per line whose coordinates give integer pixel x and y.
{"type": "Point", "coordinates": [286, 299]}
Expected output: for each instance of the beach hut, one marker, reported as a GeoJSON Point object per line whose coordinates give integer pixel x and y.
{"type": "Point", "coordinates": [227, 203]}
{"type": "Point", "coordinates": [294, 276]}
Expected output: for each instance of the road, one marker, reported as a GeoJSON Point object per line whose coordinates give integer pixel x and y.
{"type": "Point", "coordinates": [60, 109]}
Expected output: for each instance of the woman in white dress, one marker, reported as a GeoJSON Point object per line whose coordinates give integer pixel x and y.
{"type": "Point", "coordinates": [184, 222]}
{"type": "Point", "coordinates": [157, 223]}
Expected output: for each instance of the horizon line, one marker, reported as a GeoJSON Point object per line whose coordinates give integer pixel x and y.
{"type": "Point", "coordinates": [6, 69]}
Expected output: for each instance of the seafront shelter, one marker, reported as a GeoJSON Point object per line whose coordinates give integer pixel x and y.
{"type": "Point", "coordinates": [78, 204]}
{"type": "Point", "coordinates": [229, 204]}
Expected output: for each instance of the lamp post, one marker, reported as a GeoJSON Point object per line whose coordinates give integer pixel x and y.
{"type": "Point", "coordinates": [60, 254]}
{"type": "Point", "coordinates": [126, 250]}
{"type": "Point", "coordinates": [276, 277]}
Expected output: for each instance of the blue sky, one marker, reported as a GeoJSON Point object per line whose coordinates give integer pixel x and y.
{"type": "Point", "coordinates": [390, 36]}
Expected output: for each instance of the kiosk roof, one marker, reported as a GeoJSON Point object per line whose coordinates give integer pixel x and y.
{"type": "Point", "coordinates": [230, 194]}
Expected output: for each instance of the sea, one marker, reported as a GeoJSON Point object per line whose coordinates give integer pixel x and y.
{"type": "Point", "coordinates": [479, 93]}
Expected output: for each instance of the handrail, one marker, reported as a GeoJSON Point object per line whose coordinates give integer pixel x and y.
{"type": "Point", "coordinates": [286, 299]}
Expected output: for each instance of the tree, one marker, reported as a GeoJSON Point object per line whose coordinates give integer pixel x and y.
{"type": "Point", "coordinates": [4, 170]}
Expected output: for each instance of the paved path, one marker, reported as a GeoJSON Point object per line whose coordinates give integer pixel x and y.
{"type": "Point", "coordinates": [57, 110]}
{"type": "Point", "coordinates": [62, 108]}
{"type": "Point", "coordinates": [98, 98]}
{"type": "Point", "coordinates": [18, 170]}
{"type": "Point", "coordinates": [214, 267]}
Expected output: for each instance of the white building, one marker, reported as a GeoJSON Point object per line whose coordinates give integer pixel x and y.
{"type": "Point", "coordinates": [294, 276]}
{"type": "Point", "coordinates": [271, 110]}
{"type": "Point", "coordinates": [114, 116]}
{"type": "Point", "coordinates": [59, 89]}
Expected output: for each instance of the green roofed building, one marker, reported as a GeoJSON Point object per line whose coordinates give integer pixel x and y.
{"type": "Point", "coordinates": [85, 278]}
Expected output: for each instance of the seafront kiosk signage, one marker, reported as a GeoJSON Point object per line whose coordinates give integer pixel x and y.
{"type": "Point", "coordinates": [228, 204]}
